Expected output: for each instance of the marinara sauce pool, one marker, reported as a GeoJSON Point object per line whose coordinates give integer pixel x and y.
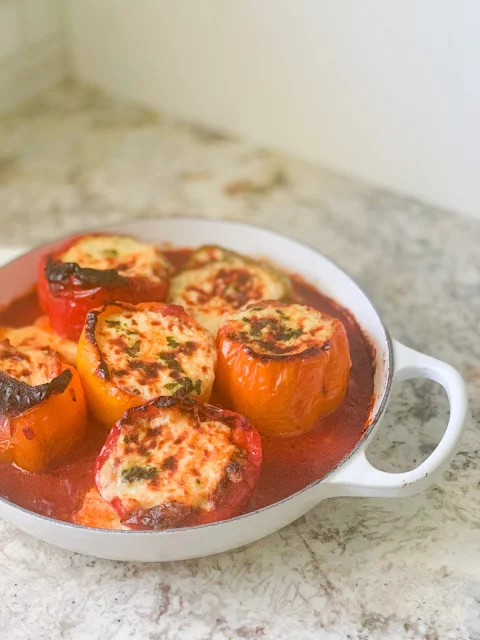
{"type": "Point", "coordinates": [289, 463]}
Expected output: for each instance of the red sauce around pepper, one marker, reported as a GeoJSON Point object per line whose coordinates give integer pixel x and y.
{"type": "Point", "coordinates": [289, 463]}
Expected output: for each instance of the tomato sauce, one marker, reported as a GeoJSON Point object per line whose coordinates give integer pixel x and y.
{"type": "Point", "coordinates": [289, 463]}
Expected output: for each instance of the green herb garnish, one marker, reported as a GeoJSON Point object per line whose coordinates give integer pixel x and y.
{"type": "Point", "coordinates": [172, 342]}
{"type": "Point", "coordinates": [289, 334]}
{"type": "Point", "coordinates": [136, 472]}
{"type": "Point", "coordinates": [113, 323]}
{"type": "Point", "coordinates": [170, 361]}
{"type": "Point", "coordinates": [187, 386]}
{"type": "Point", "coordinates": [134, 349]}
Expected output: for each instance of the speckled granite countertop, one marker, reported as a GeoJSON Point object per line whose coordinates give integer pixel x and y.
{"type": "Point", "coordinates": [351, 568]}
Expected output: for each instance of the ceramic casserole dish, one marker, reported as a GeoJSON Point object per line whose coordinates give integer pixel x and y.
{"type": "Point", "coordinates": [353, 476]}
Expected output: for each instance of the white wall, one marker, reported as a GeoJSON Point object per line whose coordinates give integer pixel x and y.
{"type": "Point", "coordinates": [385, 90]}
{"type": "Point", "coordinates": [33, 52]}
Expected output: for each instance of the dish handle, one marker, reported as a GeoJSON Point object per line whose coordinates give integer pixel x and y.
{"type": "Point", "coordinates": [357, 477]}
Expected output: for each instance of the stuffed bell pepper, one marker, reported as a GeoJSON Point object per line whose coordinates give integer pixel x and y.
{"type": "Point", "coordinates": [128, 354]}
{"type": "Point", "coordinates": [93, 269]}
{"type": "Point", "coordinates": [43, 415]}
{"type": "Point", "coordinates": [176, 462]}
{"type": "Point", "coordinates": [216, 282]}
{"type": "Point", "coordinates": [283, 366]}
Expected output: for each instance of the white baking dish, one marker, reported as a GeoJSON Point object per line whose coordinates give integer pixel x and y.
{"type": "Point", "coordinates": [353, 476]}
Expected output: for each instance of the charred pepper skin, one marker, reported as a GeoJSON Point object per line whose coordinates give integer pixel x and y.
{"type": "Point", "coordinates": [68, 291]}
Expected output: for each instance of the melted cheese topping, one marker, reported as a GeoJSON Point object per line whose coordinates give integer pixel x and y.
{"type": "Point", "coordinates": [35, 338]}
{"type": "Point", "coordinates": [32, 366]}
{"type": "Point", "coordinates": [170, 458]}
{"type": "Point", "coordinates": [153, 354]}
{"type": "Point", "coordinates": [281, 329]}
{"type": "Point", "coordinates": [95, 512]}
{"type": "Point", "coordinates": [212, 253]}
{"type": "Point", "coordinates": [130, 257]}
{"type": "Point", "coordinates": [221, 282]}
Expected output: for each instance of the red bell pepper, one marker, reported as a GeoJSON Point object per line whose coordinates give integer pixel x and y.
{"type": "Point", "coordinates": [68, 291]}
{"type": "Point", "coordinates": [176, 462]}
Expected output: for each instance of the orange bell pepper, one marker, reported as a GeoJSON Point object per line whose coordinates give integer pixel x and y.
{"type": "Point", "coordinates": [160, 359]}
{"type": "Point", "coordinates": [39, 423]}
{"type": "Point", "coordinates": [106, 401]}
{"type": "Point", "coordinates": [284, 366]}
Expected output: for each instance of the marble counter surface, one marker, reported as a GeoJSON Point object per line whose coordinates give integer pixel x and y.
{"type": "Point", "coordinates": [351, 568]}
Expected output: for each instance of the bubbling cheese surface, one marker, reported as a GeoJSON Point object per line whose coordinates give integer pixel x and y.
{"type": "Point", "coordinates": [32, 366]}
{"type": "Point", "coordinates": [33, 337]}
{"type": "Point", "coordinates": [217, 282]}
{"type": "Point", "coordinates": [152, 354]}
{"type": "Point", "coordinates": [281, 330]}
{"type": "Point", "coordinates": [127, 255]}
{"type": "Point", "coordinates": [172, 458]}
